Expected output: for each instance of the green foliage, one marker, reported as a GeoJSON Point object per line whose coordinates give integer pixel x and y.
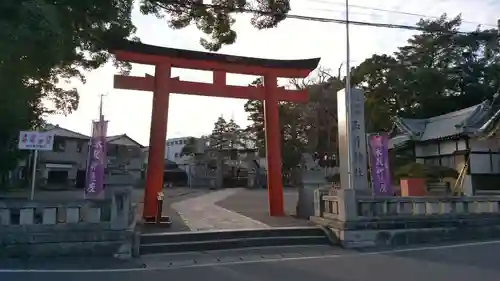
{"type": "Point", "coordinates": [436, 72]}
{"type": "Point", "coordinates": [190, 147]}
{"type": "Point", "coordinates": [227, 134]}
{"type": "Point", "coordinates": [433, 74]}
{"type": "Point", "coordinates": [44, 44]}
{"type": "Point", "coordinates": [310, 127]}
{"type": "Point", "coordinates": [417, 170]}
{"type": "Point", "coordinates": [216, 20]}
{"type": "Point", "coordinates": [218, 136]}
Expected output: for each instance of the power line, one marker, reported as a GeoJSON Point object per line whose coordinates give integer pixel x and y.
{"type": "Point", "coordinates": [167, 6]}
{"type": "Point", "coordinates": [393, 11]}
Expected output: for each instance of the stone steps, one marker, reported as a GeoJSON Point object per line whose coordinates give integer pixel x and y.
{"type": "Point", "coordinates": [154, 243]}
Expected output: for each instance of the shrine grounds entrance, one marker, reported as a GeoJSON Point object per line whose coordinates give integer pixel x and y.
{"type": "Point", "coordinates": [161, 84]}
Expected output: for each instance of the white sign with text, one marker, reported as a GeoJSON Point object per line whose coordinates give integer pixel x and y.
{"type": "Point", "coordinates": [33, 140]}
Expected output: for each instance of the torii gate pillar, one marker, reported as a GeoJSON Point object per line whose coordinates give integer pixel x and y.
{"type": "Point", "coordinates": [273, 147]}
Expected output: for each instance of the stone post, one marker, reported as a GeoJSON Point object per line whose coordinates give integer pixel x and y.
{"type": "Point", "coordinates": [348, 210]}
{"type": "Point", "coordinates": [313, 182]}
{"type": "Point", "coordinates": [121, 205]}
{"type": "Point", "coordinates": [352, 140]}
{"type": "Point", "coordinates": [353, 156]}
{"type": "Point", "coordinates": [319, 207]}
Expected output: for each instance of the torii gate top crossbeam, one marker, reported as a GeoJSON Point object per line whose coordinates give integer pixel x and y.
{"type": "Point", "coordinates": [136, 52]}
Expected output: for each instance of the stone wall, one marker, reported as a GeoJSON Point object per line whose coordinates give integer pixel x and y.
{"type": "Point", "coordinates": [365, 221]}
{"type": "Point", "coordinates": [82, 227]}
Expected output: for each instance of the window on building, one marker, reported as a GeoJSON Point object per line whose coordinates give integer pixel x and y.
{"type": "Point", "coordinates": [59, 144]}
{"type": "Point", "coordinates": [112, 150]}
{"type": "Point", "coordinates": [448, 161]}
{"type": "Point", "coordinates": [134, 152]}
{"type": "Point", "coordinates": [79, 146]}
{"type": "Point", "coordinates": [432, 161]}
{"type": "Point", "coordinates": [176, 155]}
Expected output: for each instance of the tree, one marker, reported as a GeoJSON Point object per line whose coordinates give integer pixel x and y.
{"type": "Point", "coordinates": [310, 127]}
{"type": "Point", "coordinates": [237, 137]}
{"type": "Point", "coordinates": [438, 71]}
{"type": "Point", "coordinates": [217, 138]}
{"type": "Point", "coordinates": [189, 148]}
{"type": "Point", "coordinates": [255, 111]}
{"type": "Point", "coordinates": [228, 134]}
{"type": "Point", "coordinates": [45, 43]}
{"type": "Point", "coordinates": [216, 20]}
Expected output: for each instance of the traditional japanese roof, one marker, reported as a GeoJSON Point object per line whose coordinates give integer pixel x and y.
{"type": "Point", "coordinates": [63, 132]}
{"type": "Point", "coordinates": [476, 120]}
{"type": "Point", "coordinates": [123, 139]}
{"type": "Point", "coordinates": [141, 48]}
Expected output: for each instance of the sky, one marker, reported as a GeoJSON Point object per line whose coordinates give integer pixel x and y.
{"type": "Point", "coordinates": [129, 112]}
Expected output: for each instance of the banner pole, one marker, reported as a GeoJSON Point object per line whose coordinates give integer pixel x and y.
{"type": "Point", "coordinates": [33, 175]}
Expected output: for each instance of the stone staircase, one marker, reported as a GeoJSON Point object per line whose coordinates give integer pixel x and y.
{"type": "Point", "coordinates": [175, 242]}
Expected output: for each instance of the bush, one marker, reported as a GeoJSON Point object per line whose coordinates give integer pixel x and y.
{"type": "Point", "coordinates": [417, 170]}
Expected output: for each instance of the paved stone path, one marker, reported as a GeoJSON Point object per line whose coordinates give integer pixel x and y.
{"type": "Point", "coordinates": [253, 203]}
{"type": "Point", "coordinates": [201, 213]}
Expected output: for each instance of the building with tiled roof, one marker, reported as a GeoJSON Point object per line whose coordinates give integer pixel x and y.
{"type": "Point", "coordinates": [454, 139]}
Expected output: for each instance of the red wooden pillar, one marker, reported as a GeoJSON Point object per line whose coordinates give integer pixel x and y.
{"type": "Point", "coordinates": [273, 146]}
{"type": "Point", "coordinates": [157, 137]}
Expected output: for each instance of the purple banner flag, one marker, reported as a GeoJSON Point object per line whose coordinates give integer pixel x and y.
{"type": "Point", "coordinates": [96, 163]}
{"type": "Point", "coordinates": [379, 162]}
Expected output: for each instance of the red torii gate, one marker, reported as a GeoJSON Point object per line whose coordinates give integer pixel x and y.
{"type": "Point", "coordinates": [161, 84]}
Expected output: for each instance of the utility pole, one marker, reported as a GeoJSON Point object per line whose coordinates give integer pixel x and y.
{"type": "Point", "coordinates": [101, 117]}
{"type": "Point", "coordinates": [348, 51]}
{"type": "Point", "coordinates": [350, 184]}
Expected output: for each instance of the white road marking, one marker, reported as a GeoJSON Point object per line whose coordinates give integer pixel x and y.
{"type": "Point", "coordinates": [336, 256]}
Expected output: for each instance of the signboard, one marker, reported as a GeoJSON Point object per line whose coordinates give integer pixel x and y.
{"type": "Point", "coordinates": [379, 160]}
{"type": "Point", "coordinates": [33, 140]}
{"type": "Point", "coordinates": [352, 140]}
{"type": "Point", "coordinates": [96, 163]}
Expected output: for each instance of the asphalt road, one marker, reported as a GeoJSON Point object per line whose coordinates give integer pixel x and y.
{"type": "Point", "coordinates": [479, 261]}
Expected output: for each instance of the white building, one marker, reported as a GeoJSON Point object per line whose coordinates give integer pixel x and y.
{"type": "Point", "coordinates": [173, 149]}
{"type": "Point", "coordinates": [174, 146]}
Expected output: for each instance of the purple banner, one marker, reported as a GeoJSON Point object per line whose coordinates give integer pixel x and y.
{"type": "Point", "coordinates": [379, 162]}
{"type": "Point", "coordinates": [96, 163]}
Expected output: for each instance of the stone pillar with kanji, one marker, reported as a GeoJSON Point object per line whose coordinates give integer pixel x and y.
{"type": "Point", "coordinates": [353, 156]}
{"type": "Point", "coordinates": [352, 140]}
